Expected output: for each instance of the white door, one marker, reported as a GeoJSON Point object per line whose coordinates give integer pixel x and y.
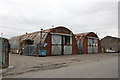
{"type": "Point", "coordinates": [67, 47]}
{"type": "Point", "coordinates": [56, 44]}
{"type": "Point", "coordinates": [80, 45]}
{"type": "Point", "coordinates": [90, 43]}
{"type": "Point", "coordinates": [95, 45]}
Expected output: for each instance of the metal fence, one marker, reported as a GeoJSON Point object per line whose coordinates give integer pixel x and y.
{"type": "Point", "coordinates": [33, 50]}
{"type": "Point", "coordinates": [4, 52]}
{"type": "Point", "coordinates": [29, 50]}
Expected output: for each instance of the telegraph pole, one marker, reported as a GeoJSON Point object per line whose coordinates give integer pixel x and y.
{"type": "Point", "coordinates": [1, 34]}
{"type": "Point", "coordinates": [41, 40]}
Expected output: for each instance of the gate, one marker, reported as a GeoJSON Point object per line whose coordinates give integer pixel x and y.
{"type": "Point", "coordinates": [56, 44]}
{"type": "Point", "coordinates": [4, 52]}
{"type": "Point", "coordinates": [29, 50]}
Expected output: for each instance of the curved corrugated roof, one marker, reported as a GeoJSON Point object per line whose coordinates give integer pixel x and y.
{"type": "Point", "coordinates": [36, 36]}
{"type": "Point", "coordinates": [85, 34]}
{"type": "Point", "coordinates": [81, 36]}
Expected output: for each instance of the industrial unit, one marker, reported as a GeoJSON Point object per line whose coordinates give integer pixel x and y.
{"type": "Point", "coordinates": [87, 43]}
{"type": "Point", "coordinates": [55, 41]}
{"type": "Point", "coordinates": [110, 43]}
{"type": "Point", "coordinates": [4, 52]}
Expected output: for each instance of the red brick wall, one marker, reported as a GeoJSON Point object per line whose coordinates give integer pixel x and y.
{"type": "Point", "coordinates": [85, 46]}
{"type": "Point", "coordinates": [74, 45]}
{"type": "Point", "coordinates": [64, 31]}
{"type": "Point", "coordinates": [48, 47]}
{"type": "Point", "coordinates": [99, 46]}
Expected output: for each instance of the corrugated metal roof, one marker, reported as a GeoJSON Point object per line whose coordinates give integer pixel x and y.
{"type": "Point", "coordinates": [83, 34]}
{"type": "Point", "coordinates": [110, 37]}
{"type": "Point", "coordinates": [31, 36]}
{"type": "Point", "coordinates": [36, 36]}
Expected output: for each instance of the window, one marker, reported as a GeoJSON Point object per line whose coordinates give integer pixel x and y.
{"type": "Point", "coordinates": [67, 40]}
{"type": "Point", "coordinates": [110, 48]}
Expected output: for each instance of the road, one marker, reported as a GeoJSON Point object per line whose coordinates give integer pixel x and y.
{"type": "Point", "coordinates": [0, 73]}
{"type": "Point", "coordinates": [105, 68]}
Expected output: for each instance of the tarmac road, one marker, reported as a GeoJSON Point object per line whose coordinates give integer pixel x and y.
{"type": "Point", "coordinates": [0, 73]}
{"type": "Point", "coordinates": [106, 68]}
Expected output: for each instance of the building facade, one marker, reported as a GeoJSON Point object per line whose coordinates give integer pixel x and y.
{"type": "Point", "coordinates": [87, 43]}
{"type": "Point", "coordinates": [110, 43]}
{"type": "Point", "coordinates": [55, 41]}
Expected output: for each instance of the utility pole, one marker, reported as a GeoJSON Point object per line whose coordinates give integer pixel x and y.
{"type": "Point", "coordinates": [41, 40]}
{"type": "Point", "coordinates": [1, 34]}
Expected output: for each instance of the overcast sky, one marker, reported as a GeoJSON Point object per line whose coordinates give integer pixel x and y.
{"type": "Point", "coordinates": [20, 16]}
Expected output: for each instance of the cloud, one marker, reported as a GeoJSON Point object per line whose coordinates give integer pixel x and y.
{"type": "Point", "coordinates": [20, 16]}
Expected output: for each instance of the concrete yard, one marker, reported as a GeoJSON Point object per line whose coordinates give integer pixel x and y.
{"type": "Point", "coordinates": [102, 65]}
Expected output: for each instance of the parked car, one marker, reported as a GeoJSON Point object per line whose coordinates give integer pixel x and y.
{"type": "Point", "coordinates": [110, 51]}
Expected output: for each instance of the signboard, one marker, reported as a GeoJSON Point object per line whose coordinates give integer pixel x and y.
{"type": "Point", "coordinates": [45, 43]}
{"type": "Point", "coordinates": [42, 52]}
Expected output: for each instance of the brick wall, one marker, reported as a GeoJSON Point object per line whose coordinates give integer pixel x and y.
{"type": "Point", "coordinates": [110, 42]}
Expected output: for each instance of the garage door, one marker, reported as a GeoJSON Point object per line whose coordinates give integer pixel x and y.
{"type": "Point", "coordinates": [68, 47]}
{"type": "Point", "coordinates": [95, 46]}
{"type": "Point", "coordinates": [80, 46]}
{"type": "Point", "coordinates": [90, 48]}
{"type": "Point", "coordinates": [56, 45]}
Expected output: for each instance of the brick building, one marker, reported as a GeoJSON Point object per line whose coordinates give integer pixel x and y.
{"type": "Point", "coordinates": [110, 43]}
{"type": "Point", "coordinates": [87, 42]}
{"type": "Point", "coordinates": [54, 41]}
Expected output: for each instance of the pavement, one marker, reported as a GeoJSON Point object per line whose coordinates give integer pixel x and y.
{"type": "Point", "coordinates": [102, 65]}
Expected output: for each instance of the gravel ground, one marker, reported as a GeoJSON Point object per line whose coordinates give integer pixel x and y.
{"type": "Point", "coordinates": [20, 64]}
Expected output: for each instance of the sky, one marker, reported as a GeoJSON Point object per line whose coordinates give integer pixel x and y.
{"type": "Point", "coordinates": [20, 16]}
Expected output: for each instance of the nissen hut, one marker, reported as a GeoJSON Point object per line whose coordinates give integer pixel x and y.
{"type": "Point", "coordinates": [55, 41]}
{"type": "Point", "coordinates": [87, 43]}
